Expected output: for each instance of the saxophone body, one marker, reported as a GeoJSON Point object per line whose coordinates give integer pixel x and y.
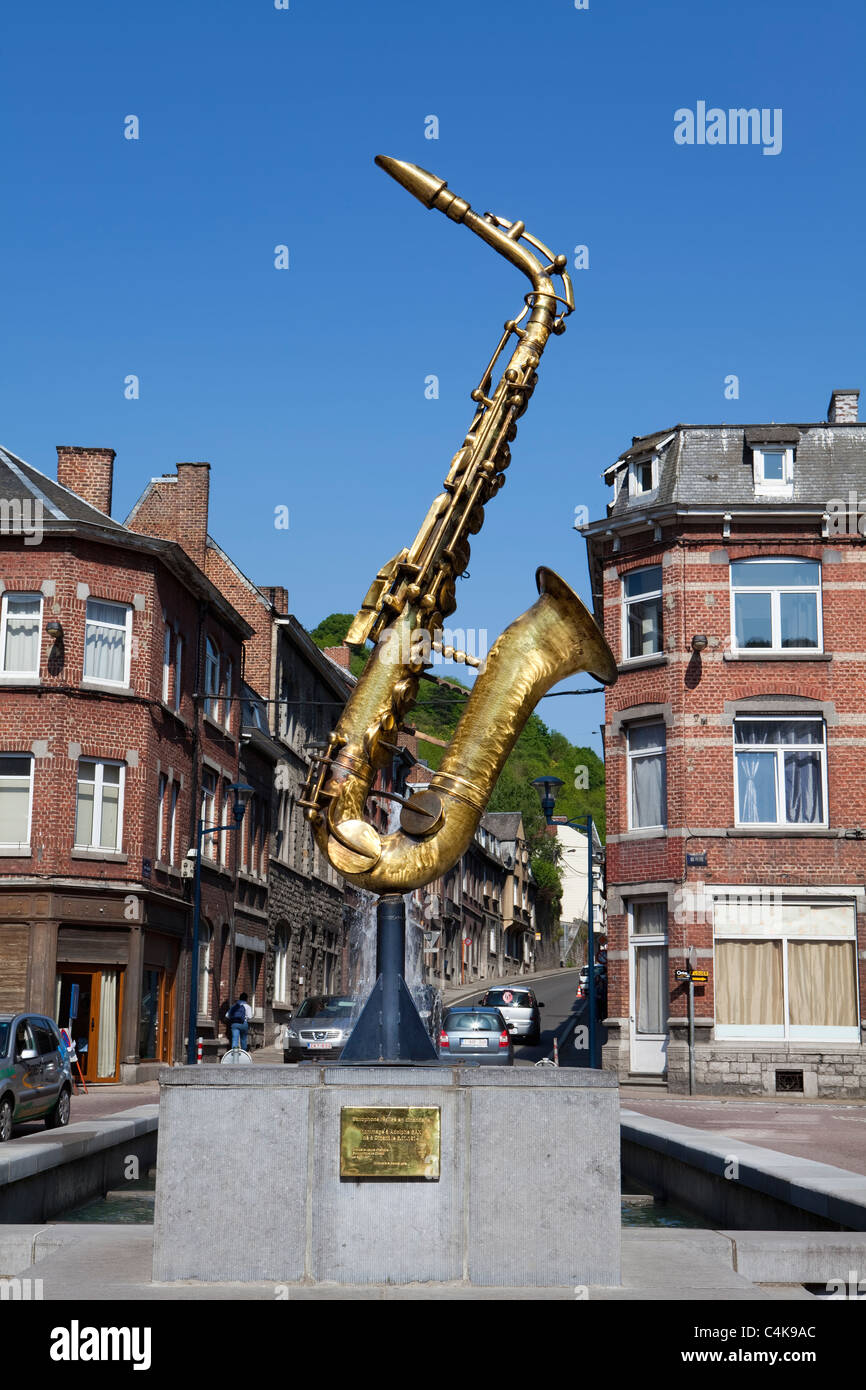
{"type": "Point", "coordinates": [413, 593]}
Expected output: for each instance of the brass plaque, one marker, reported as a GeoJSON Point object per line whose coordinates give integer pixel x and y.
{"type": "Point", "coordinates": [389, 1142]}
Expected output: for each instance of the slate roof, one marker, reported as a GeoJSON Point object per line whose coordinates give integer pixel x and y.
{"type": "Point", "coordinates": [505, 825]}
{"type": "Point", "coordinates": [711, 465]}
{"type": "Point", "coordinates": [63, 512]}
{"type": "Point", "coordinates": [21, 481]}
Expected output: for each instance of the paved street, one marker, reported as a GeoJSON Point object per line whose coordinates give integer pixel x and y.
{"type": "Point", "coordinates": [561, 1009]}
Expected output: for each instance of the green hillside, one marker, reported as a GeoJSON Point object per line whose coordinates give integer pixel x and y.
{"type": "Point", "coordinates": [539, 750]}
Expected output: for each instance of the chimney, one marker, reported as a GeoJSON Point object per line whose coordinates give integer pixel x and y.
{"type": "Point", "coordinates": [88, 473]}
{"type": "Point", "coordinates": [278, 596]}
{"type": "Point", "coordinates": [842, 409]}
{"type": "Point", "coordinates": [341, 655]}
{"type": "Point", "coordinates": [190, 517]}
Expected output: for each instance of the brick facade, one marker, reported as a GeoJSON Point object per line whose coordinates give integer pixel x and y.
{"type": "Point", "coordinates": [118, 741]}
{"type": "Point", "coordinates": [730, 883]}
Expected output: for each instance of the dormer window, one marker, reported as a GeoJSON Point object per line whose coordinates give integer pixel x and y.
{"type": "Point", "coordinates": [773, 468]}
{"type": "Point", "coordinates": [643, 475]}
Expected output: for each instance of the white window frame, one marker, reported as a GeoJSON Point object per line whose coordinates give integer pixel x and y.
{"type": "Point", "coordinates": [227, 685]}
{"type": "Point", "coordinates": [781, 486]}
{"type": "Point", "coordinates": [162, 788]}
{"type": "Point", "coordinates": [178, 668]}
{"type": "Point", "coordinates": [779, 749]}
{"type": "Point", "coordinates": [166, 661]}
{"type": "Point", "coordinates": [775, 590]}
{"type": "Point", "coordinates": [634, 470]}
{"type": "Point", "coordinates": [281, 965]}
{"type": "Point", "coordinates": [211, 679]}
{"type": "Point", "coordinates": [22, 593]}
{"type": "Point", "coordinates": [786, 1031]}
{"type": "Point", "coordinates": [23, 845]}
{"type": "Point", "coordinates": [641, 598]}
{"type": "Point", "coordinates": [205, 969]}
{"type": "Point", "coordinates": [96, 828]}
{"type": "Point", "coordinates": [646, 753]}
{"type": "Point", "coordinates": [209, 848]}
{"type": "Point", "coordinates": [223, 820]}
{"type": "Point", "coordinates": [172, 820]}
{"type": "Point", "coordinates": [127, 643]}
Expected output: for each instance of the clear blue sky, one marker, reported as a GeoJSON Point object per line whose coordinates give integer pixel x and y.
{"type": "Point", "coordinates": [306, 387]}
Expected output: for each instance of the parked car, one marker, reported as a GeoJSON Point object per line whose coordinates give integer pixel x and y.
{"type": "Point", "coordinates": [472, 1033]}
{"type": "Point", "coordinates": [35, 1073]}
{"type": "Point", "coordinates": [520, 1009]}
{"type": "Point", "coordinates": [320, 1028]}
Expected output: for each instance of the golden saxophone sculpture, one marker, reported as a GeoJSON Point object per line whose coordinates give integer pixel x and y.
{"type": "Point", "coordinates": [415, 591]}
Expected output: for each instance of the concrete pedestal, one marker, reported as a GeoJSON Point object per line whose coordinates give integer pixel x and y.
{"type": "Point", "coordinates": [249, 1188]}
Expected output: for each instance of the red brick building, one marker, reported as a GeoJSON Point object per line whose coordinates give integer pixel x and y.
{"type": "Point", "coordinates": [730, 576]}
{"type": "Point", "coordinates": [117, 729]}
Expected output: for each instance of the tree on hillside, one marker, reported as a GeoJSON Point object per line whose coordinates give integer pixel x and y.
{"type": "Point", "coordinates": [332, 630]}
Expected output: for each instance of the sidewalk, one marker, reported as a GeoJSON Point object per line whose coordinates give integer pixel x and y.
{"type": "Point", "coordinates": [99, 1102]}
{"type": "Point", "coordinates": [114, 1262]}
{"type": "Point", "coordinates": [830, 1131]}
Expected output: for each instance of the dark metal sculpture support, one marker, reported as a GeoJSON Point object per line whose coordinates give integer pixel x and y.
{"type": "Point", "coordinates": [389, 1028]}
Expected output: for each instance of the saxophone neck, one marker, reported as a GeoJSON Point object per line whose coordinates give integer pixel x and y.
{"type": "Point", "coordinates": [505, 237]}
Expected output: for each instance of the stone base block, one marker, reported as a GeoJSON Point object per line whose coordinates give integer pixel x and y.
{"type": "Point", "coordinates": [249, 1188]}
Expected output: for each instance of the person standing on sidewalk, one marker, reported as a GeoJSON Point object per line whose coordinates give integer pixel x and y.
{"type": "Point", "coordinates": [238, 1019]}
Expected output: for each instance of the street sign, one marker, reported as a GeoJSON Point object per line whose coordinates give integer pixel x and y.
{"type": "Point", "coordinates": [700, 977]}
{"type": "Point", "coordinates": [697, 861]}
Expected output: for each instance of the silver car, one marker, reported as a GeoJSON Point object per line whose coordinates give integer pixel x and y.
{"type": "Point", "coordinates": [320, 1029]}
{"type": "Point", "coordinates": [471, 1033]}
{"type": "Point", "coordinates": [520, 1009]}
{"type": "Point", "coordinates": [35, 1074]}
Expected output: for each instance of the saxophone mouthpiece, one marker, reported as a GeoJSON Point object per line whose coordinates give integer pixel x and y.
{"type": "Point", "coordinates": [422, 185]}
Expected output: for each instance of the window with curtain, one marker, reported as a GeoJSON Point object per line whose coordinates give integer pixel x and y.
{"type": "Point", "coordinates": [166, 665]}
{"type": "Point", "coordinates": [178, 668]}
{"type": "Point", "coordinates": [281, 963]}
{"type": "Point", "coordinates": [99, 805]}
{"type": "Point", "coordinates": [16, 785]}
{"type": "Point", "coordinates": [106, 1054]}
{"type": "Point", "coordinates": [649, 918]}
{"type": "Point", "coordinates": [208, 810]}
{"type": "Point", "coordinates": [224, 834]}
{"type": "Point", "coordinates": [106, 641]}
{"type": "Point", "coordinates": [786, 988]}
{"type": "Point", "coordinates": [651, 991]}
{"type": "Point", "coordinates": [228, 694]}
{"type": "Point", "coordinates": [647, 776]}
{"type": "Point", "coordinates": [21, 634]}
{"type": "Point", "coordinates": [205, 969]}
{"type": "Point", "coordinates": [780, 767]}
{"type": "Point", "coordinates": [172, 821]}
{"type": "Point", "coordinates": [211, 680]}
{"type": "Point", "coordinates": [642, 604]}
{"type": "Point", "coordinates": [776, 605]}
{"type": "Point", "coordinates": [160, 814]}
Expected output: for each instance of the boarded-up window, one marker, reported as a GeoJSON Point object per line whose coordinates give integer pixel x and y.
{"type": "Point", "coordinates": [13, 975]}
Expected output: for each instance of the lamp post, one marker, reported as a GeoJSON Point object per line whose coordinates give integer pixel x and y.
{"type": "Point", "coordinates": [548, 790]}
{"type": "Point", "coordinates": [241, 792]}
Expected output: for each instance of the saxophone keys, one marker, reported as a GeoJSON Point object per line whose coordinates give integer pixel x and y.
{"type": "Point", "coordinates": [422, 814]}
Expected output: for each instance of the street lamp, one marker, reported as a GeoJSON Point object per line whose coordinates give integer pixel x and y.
{"type": "Point", "coordinates": [241, 793]}
{"type": "Point", "coordinates": [548, 789]}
